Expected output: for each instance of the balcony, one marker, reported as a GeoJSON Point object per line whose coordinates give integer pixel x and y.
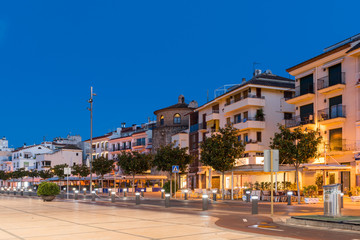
{"type": "Point", "coordinates": [299, 121]}
{"type": "Point", "coordinates": [202, 127]}
{"type": "Point", "coordinates": [214, 115]}
{"type": "Point", "coordinates": [251, 100]}
{"type": "Point", "coordinates": [250, 123]}
{"type": "Point", "coordinates": [324, 86]}
{"type": "Point", "coordinates": [333, 115]}
{"type": "Point", "coordinates": [339, 145]}
{"type": "Point", "coordinates": [302, 94]}
{"type": "Point", "coordinates": [194, 128]}
{"type": "Point", "coordinates": [253, 146]}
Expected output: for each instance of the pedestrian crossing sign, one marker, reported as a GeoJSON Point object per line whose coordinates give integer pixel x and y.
{"type": "Point", "coordinates": [175, 169]}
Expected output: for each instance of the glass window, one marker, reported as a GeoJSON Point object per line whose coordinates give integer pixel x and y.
{"type": "Point", "coordinates": [162, 120]}
{"type": "Point", "coordinates": [177, 118]}
{"type": "Point", "coordinates": [258, 136]}
{"type": "Point", "coordinates": [237, 118]}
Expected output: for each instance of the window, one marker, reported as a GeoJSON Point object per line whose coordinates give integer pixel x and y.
{"type": "Point", "coordinates": [140, 141]}
{"type": "Point", "coordinates": [239, 138]}
{"type": "Point", "coordinates": [287, 116]}
{"type": "Point", "coordinates": [246, 137]}
{"type": "Point", "coordinates": [246, 115]}
{"type": "Point", "coordinates": [162, 120]}
{"type": "Point", "coordinates": [177, 118]}
{"type": "Point", "coordinates": [258, 136]}
{"type": "Point", "coordinates": [335, 139]}
{"type": "Point", "coordinates": [288, 94]}
{"type": "Point", "coordinates": [228, 121]}
{"type": "Point", "coordinates": [77, 154]}
{"type": "Point", "coordinates": [237, 118]}
{"type": "Point", "coordinates": [307, 113]}
{"type": "Point", "coordinates": [245, 94]}
{"type": "Point", "coordinates": [335, 74]}
{"type": "Point", "coordinates": [258, 92]}
{"type": "Point", "coordinates": [237, 97]}
{"type": "Point", "coordinates": [307, 84]}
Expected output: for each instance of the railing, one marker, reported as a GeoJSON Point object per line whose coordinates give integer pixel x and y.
{"type": "Point", "coordinates": [136, 144]}
{"type": "Point", "coordinates": [342, 145]}
{"type": "Point", "coordinates": [242, 98]}
{"type": "Point", "coordinates": [305, 89]}
{"type": "Point", "coordinates": [324, 81]}
{"type": "Point", "coordinates": [259, 119]}
{"type": "Point", "coordinates": [298, 120]}
{"type": "Point", "coordinates": [333, 112]}
{"type": "Point", "coordinates": [215, 111]}
{"type": "Point", "coordinates": [203, 125]}
{"type": "Point", "coordinates": [194, 127]}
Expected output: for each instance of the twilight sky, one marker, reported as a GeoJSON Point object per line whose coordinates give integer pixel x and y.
{"type": "Point", "coordinates": [140, 55]}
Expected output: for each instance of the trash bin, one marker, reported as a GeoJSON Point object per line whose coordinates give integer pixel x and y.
{"type": "Point", "coordinates": [332, 200]}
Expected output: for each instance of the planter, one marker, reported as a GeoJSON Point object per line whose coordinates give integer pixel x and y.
{"type": "Point", "coordinates": [48, 198]}
{"type": "Point", "coordinates": [311, 200]}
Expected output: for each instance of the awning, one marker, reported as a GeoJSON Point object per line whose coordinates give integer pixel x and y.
{"type": "Point", "coordinates": [326, 167]}
{"type": "Point", "coordinates": [252, 169]}
{"type": "Point", "coordinates": [144, 177]}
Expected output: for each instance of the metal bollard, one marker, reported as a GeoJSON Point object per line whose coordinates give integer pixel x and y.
{"type": "Point", "coordinates": [124, 192]}
{"type": "Point", "coordinates": [289, 195]}
{"type": "Point", "coordinates": [14, 191]}
{"type": "Point", "coordinates": [255, 201]}
{"type": "Point", "coordinates": [214, 195]}
{"type": "Point", "coordinates": [341, 200]}
{"type": "Point", "coordinates": [162, 193]}
{"type": "Point", "coordinates": [30, 192]}
{"type": "Point", "coordinates": [76, 195]}
{"type": "Point", "coordinates": [186, 194]}
{"type": "Point", "coordinates": [137, 198]}
{"type": "Point", "coordinates": [205, 202]}
{"type": "Point", "coordinates": [93, 196]}
{"type": "Point", "coordinates": [8, 191]}
{"type": "Point", "coordinates": [22, 192]}
{"type": "Point", "coordinates": [247, 196]}
{"type": "Point", "coordinates": [167, 200]}
{"type": "Point", "coordinates": [112, 197]}
{"type": "Point", "coordinates": [84, 190]}
{"type": "Point", "coordinates": [142, 192]}
{"type": "Point", "coordinates": [2, 190]}
{"type": "Point", "coordinates": [109, 192]}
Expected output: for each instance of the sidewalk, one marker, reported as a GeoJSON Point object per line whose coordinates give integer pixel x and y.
{"type": "Point", "coordinates": [30, 218]}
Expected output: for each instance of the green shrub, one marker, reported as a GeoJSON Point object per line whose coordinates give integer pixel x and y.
{"type": "Point", "coordinates": [167, 187]}
{"type": "Point", "coordinates": [48, 189]}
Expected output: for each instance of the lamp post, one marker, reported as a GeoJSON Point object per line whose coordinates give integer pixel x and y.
{"type": "Point", "coordinates": [91, 100]}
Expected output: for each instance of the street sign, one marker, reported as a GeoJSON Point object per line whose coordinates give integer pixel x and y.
{"type": "Point", "coordinates": [67, 171]}
{"type": "Point", "coordinates": [175, 169]}
{"type": "Point", "coordinates": [267, 160]}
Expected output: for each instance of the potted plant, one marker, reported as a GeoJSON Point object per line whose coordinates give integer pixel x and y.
{"type": "Point", "coordinates": [48, 191]}
{"type": "Point", "coordinates": [310, 193]}
{"type": "Point", "coordinates": [260, 116]}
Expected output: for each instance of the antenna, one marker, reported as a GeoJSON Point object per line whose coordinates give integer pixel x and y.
{"type": "Point", "coordinates": [207, 96]}
{"type": "Point", "coordinates": [254, 64]}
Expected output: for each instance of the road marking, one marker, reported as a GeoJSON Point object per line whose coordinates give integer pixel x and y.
{"type": "Point", "coordinates": [273, 228]}
{"type": "Point", "coordinates": [244, 220]}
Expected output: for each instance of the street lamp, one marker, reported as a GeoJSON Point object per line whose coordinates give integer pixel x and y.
{"type": "Point", "coordinates": [91, 129]}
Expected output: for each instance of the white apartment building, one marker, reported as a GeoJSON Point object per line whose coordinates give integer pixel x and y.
{"type": "Point", "coordinates": [25, 157]}
{"type": "Point", "coordinates": [4, 145]}
{"type": "Point", "coordinates": [255, 107]}
{"type": "Point", "coordinates": [69, 155]}
{"type": "Point", "coordinates": [5, 155]}
{"type": "Point", "coordinates": [327, 98]}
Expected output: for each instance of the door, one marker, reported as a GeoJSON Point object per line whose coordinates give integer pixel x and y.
{"type": "Point", "coordinates": [345, 181]}
{"type": "Point", "coordinates": [305, 112]}
{"type": "Point", "coordinates": [335, 107]}
{"type": "Point", "coordinates": [335, 74]}
{"type": "Point", "coordinates": [335, 139]}
{"type": "Point", "coordinates": [258, 92]}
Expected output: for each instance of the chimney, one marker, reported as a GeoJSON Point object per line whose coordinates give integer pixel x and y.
{"type": "Point", "coordinates": [123, 125]}
{"type": "Point", "coordinates": [134, 127]}
{"type": "Point", "coordinates": [257, 72]}
{"type": "Point", "coordinates": [243, 80]}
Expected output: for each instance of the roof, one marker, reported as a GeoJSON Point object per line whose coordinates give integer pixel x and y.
{"type": "Point", "coordinates": [263, 79]}
{"type": "Point", "coordinates": [26, 147]}
{"type": "Point", "coordinates": [99, 137]}
{"type": "Point", "coordinates": [178, 105]}
{"type": "Point", "coordinates": [72, 147]}
{"type": "Point", "coordinates": [330, 50]}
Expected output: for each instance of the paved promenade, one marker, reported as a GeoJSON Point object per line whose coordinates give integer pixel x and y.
{"type": "Point", "coordinates": [29, 218]}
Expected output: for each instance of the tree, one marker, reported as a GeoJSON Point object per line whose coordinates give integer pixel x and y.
{"type": "Point", "coordinates": [44, 174]}
{"type": "Point", "coordinates": [33, 174]}
{"type": "Point", "coordinates": [58, 170]}
{"type": "Point", "coordinates": [296, 147]}
{"type": "Point", "coordinates": [102, 166]}
{"type": "Point", "coordinates": [167, 156]}
{"type": "Point", "coordinates": [221, 150]}
{"type": "Point", "coordinates": [133, 163]}
{"type": "Point", "coordinates": [81, 170]}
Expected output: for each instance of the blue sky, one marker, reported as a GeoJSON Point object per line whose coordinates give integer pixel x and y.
{"type": "Point", "coordinates": [140, 55]}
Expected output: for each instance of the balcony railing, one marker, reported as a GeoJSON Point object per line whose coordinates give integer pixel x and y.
{"type": "Point", "coordinates": [324, 81]}
{"type": "Point", "coordinates": [299, 91]}
{"type": "Point", "coordinates": [333, 112]}
{"type": "Point", "coordinates": [261, 119]}
{"type": "Point", "coordinates": [242, 98]}
{"type": "Point", "coordinates": [194, 128]}
{"type": "Point", "coordinates": [203, 125]}
{"type": "Point", "coordinates": [215, 111]}
{"type": "Point", "coordinates": [342, 145]}
{"type": "Point", "coordinates": [298, 120]}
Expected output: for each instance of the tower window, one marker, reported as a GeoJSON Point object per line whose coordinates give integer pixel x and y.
{"type": "Point", "coordinates": [177, 118]}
